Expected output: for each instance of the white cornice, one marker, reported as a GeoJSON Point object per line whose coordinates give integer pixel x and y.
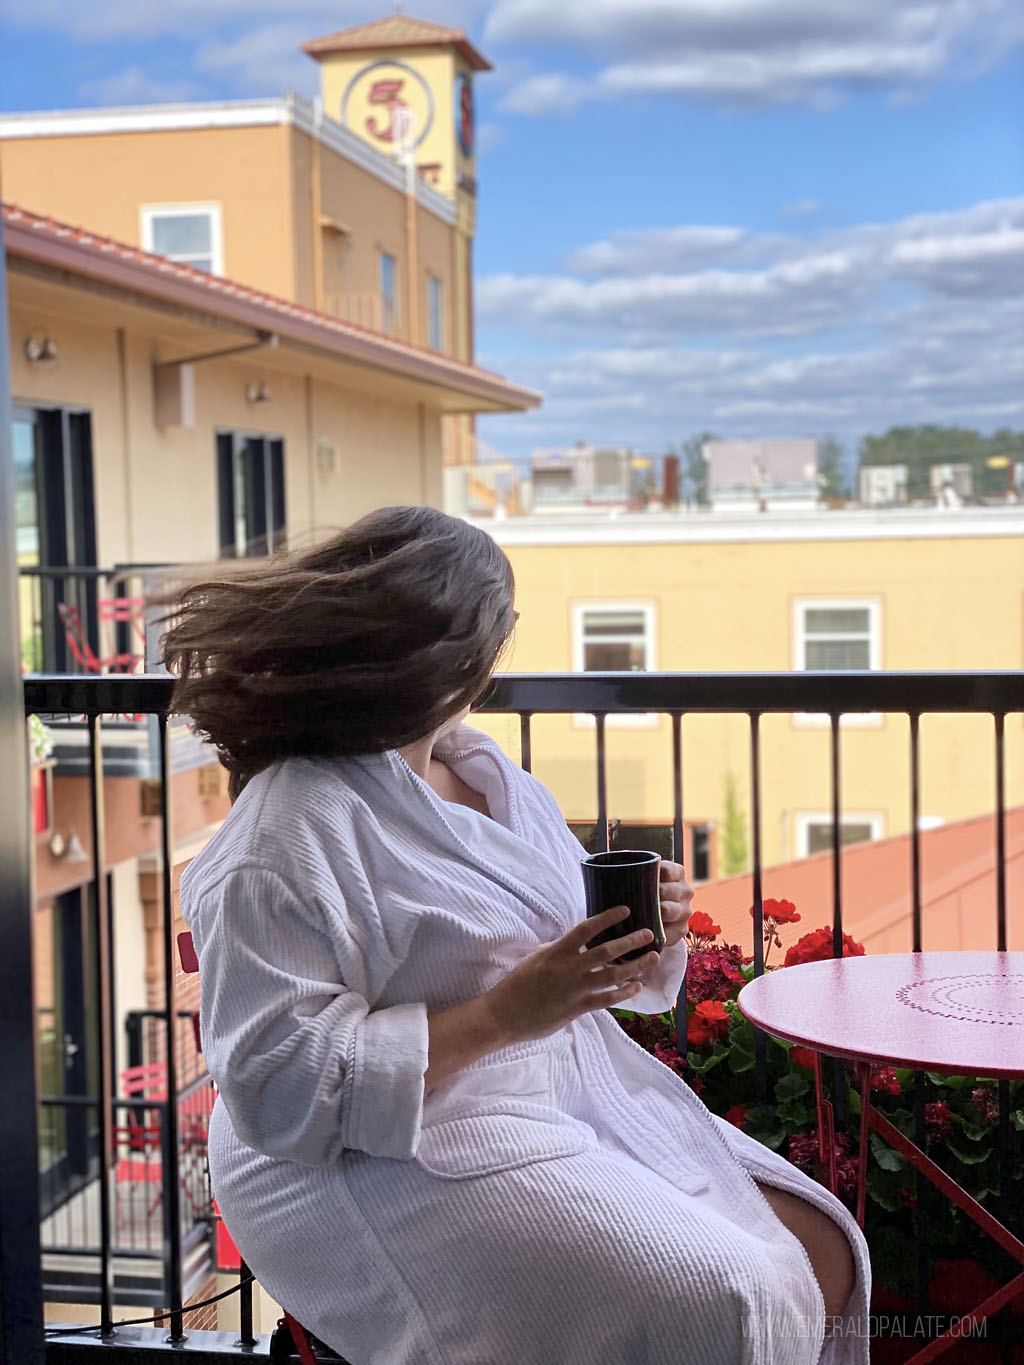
{"type": "Point", "coordinates": [292, 109]}
{"type": "Point", "coordinates": [706, 528]}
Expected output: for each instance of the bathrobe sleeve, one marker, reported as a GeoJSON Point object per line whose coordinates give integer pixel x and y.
{"type": "Point", "coordinates": [304, 1067]}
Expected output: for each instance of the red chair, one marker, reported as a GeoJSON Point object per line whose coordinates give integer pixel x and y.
{"type": "Point", "coordinates": [138, 1141]}
{"type": "Point", "coordinates": [78, 643]}
{"type": "Point", "coordinates": [289, 1335]}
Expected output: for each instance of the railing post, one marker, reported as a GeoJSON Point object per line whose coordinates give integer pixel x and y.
{"type": "Point", "coordinates": [21, 1295]}
{"type": "Point", "coordinates": [102, 978]}
{"type": "Point", "coordinates": [172, 1198]}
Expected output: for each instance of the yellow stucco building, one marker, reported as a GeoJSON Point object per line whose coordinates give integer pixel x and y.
{"type": "Point", "coordinates": [899, 589]}
{"type": "Point", "coordinates": [360, 205]}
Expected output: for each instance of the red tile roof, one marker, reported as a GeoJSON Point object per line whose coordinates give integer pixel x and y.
{"type": "Point", "coordinates": [397, 30]}
{"type": "Point", "coordinates": [45, 240]}
{"type": "Point", "coordinates": [958, 891]}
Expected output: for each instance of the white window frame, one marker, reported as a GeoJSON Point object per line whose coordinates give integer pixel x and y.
{"type": "Point", "coordinates": [873, 606]}
{"type": "Point", "coordinates": [804, 819]}
{"type": "Point", "coordinates": [148, 212]}
{"type": "Point", "coordinates": [640, 720]}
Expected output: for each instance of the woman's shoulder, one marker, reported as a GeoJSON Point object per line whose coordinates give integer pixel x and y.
{"type": "Point", "coordinates": [297, 812]}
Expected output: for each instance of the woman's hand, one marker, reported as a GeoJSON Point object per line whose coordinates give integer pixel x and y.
{"type": "Point", "coordinates": [676, 895]}
{"type": "Point", "coordinates": [564, 979]}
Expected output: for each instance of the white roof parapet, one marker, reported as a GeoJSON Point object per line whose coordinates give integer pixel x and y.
{"type": "Point", "coordinates": [701, 527]}
{"type": "Point", "coordinates": [293, 109]}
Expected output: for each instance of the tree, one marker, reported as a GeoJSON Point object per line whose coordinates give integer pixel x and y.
{"type": "Point", "coordinates": [832, 480]}
{"type": "Point", "coordinates": [695, 466]}
{"type": "Point", "coordinates": [734, 849]}
{"type": "Point", "coordinates": [921, 447]}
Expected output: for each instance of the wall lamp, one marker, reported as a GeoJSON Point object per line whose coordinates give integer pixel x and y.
{"type": "Point", "coordinates": [257, 392]}
{"type": "Point", "coordinates": [39, 349]}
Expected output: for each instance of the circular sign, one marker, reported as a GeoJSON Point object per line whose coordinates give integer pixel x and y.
{"type": "Point", "coordinates": [377, 95]}
{"type": "Point", "coordinates": [464, 113]}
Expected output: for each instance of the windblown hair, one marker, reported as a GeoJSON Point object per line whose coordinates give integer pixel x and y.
{"type": "Point", "coordinates": [364, 643]}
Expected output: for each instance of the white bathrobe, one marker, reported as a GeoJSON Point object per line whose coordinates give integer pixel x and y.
{"type": "Point", "coordinates": [567, 1201]}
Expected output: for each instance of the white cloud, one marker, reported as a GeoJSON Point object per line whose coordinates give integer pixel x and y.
{"type": "Point", "coordinates": [133, 85]}
{"type": "Point", "coordinates": [263, 61]}
{"type": "Point", "coordinates": [802, 208]}
{"type": "Point", "coordinates": [130, 21]}
{"type": "Point", "coordinates": [639, 282]}
{"type": "Point", "coordinates": [551, 94]}
{"type": "Point", "coordinates": [752, 51]}
{"type": "Point", "coordinates": [631, 252]}
{"type": "Point", "coordinates": [866, 327]}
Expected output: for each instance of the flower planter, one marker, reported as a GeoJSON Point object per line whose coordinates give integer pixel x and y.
{"type": "Point", "coordinates": [42, 798]}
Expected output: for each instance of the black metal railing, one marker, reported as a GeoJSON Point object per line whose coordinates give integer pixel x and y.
{"type": "Point", "coordinates": [753, 696]}
{"type": "Point", "coordinates": [86, 619]}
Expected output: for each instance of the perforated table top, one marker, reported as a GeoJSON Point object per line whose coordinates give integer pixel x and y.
{"type": "Point", "coordinates": [944, 1012]}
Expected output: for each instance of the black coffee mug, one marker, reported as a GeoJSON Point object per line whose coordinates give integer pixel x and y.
{"type": "Point", "coordinates": [627, 876]}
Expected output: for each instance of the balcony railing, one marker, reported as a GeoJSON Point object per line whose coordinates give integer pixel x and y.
{"type": "Point", "coordinates": [181, 1112]}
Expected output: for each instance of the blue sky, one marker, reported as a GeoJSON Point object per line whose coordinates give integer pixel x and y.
{"type": "Point", "coordinates": [755, 217]}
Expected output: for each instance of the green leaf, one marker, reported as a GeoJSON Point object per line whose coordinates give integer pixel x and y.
{"type": "Point", "coordinates": [791, 1086]}
{"type": "Point", "coordinates": [969, 1156]}
{"type": "Point", "coordinates": [740, 1059]}
{"type": "Point", "coordinates": [702, 1065]}
{"type": "Point", "coordinates": [773, 1140]}
{"type": "Point", "coordinates": [1018, 1119]}
{"type": "Point", "coordinates": [887, 1157]}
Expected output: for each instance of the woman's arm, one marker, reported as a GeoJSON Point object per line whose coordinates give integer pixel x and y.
{"type": "Point", "coordinates": [547, 990]}
{"type": "Point", "coordinates": [304, 1067]}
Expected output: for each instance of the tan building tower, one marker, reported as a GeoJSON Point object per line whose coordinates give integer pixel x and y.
{"type": "Point", "coordinates": [405, 86]}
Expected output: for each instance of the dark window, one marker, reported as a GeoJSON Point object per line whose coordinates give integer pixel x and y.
{"type": "Point", "coordinates": [56, 529]}
{"type": "Point", "coordinates": [700, 858]}
{"type": "Point", "coordinates": [250, 482]}
{"type": "Point", "coordinates": [658, 838]}
{"type": "Point", "coordinates": [819, 835]}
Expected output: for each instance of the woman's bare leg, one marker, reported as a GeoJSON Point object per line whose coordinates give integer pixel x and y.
{"type": "Point", "coordinates": [825, 1243]}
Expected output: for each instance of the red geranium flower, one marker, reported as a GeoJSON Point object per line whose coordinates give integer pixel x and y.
{"type": "Point", "coordinates": [937, 1119]}
{"type": "Point", "coordinates": [671, 1058]}
{"type": "Point", "coordinates": [702, 926]}
{"type": "Point", "coordinates": [714, 973]}
{"type": "Point", "coordinates": [817, 947]}
{"type": "Point", "coordinates": [884, 1078]}
{"type": "Point", "coordinates": [737, 1114]}
{"type": "Point", "coordinates": [985, 1102]}
{"type": "Point", "coordinates": [782, 912]}
{"type": "Point", "coordinates": [709, 1019]}
{"type": "Point", "coordinates": [803, 1056]}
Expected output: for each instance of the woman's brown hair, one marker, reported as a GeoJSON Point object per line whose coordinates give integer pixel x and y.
{"type": "Point", "coordinates": [363, 643]}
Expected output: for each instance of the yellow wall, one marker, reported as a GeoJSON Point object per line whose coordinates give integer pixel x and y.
{"type": "Point", "coordinates": [156, 490]}
{"type": "Point", "coordinates": [263, 180]}
{"type": "Point", "coordinates": [101, 182]}
{"type": "Point", "coordinates": [946, 604]}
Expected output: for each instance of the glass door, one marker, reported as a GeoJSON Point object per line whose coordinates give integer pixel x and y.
{"type": "Point", "coordinates": [67, 1042]}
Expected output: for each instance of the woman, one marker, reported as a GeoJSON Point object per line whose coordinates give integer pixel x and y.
{"type": "Point", "coordinates": [433, 1144]}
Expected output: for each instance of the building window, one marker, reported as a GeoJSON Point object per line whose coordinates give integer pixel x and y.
{"type": "Point", "coordinates": [658, 838]}
{"type": "Point", "coordinates": [250, 477]}
{"type": "Point", "coordinates": [435, 315]}
{"type": "Point", "coordinates": [837, 634]}
{"type": "Point", "coordinates": [814, 831]}
{"type": "Point", "coordinates": [613, 638]}
{"type": "Point", "coordinates": [388, 295]}
{"type": "Point", "coordinates": [187, 233]}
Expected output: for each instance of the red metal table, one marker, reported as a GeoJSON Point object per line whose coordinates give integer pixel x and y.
{"type": "Point", "coordinates": [952, 1013]}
